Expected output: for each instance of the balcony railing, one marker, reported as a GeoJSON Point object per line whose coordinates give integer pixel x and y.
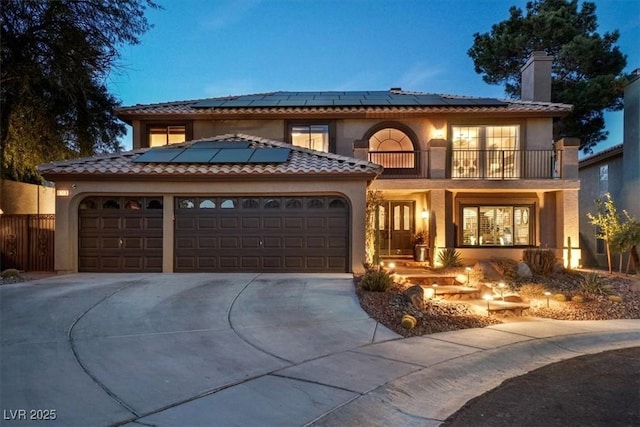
{"type": "Point", "coordinates": [473, 164]}
{"type": "Point", "coordinates": [505, 164]}
{"type": "Point", "coordinates": [402, 164]}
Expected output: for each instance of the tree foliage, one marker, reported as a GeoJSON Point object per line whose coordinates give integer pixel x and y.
{"type": "Point", "coordinates": [587, 69]}
{"type": "Point", "coordinates": [620, 235]}
{"type": "Point", "coordinates": [56, 56]}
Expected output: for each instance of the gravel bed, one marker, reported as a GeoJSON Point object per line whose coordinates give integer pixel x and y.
{"type": "Point", "coordinates": [441, 316]}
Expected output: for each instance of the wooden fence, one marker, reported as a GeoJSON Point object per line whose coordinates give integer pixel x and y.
{"type": "Point", "coordinates": [27, 242]}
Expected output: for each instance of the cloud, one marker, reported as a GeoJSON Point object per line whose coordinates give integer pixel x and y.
{"type": "Point", "coordinates": [418, 75]}
{"type": "Point", "coordinates": [226, 13]}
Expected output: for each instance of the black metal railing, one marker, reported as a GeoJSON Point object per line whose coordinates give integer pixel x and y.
{"type": "Point", "coordinates": [505, 164]}
{"type": "Point", "coordinates": [402, 164]}
{"type": "Point", "coordinates": [473, 164]}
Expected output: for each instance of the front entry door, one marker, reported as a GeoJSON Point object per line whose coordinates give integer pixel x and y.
{"type": "Point", "coordinates": [397, 227]}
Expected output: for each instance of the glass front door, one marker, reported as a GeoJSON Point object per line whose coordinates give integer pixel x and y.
{"type": "Point", "coordinates": [396, 224]}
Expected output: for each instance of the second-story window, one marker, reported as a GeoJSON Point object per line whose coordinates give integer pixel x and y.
{"type": "Point", "coordinates": [313, 136]}
{"type": "Point", "coordinates": [159, 135]}
{"type": "Point", "coordinates": [485, 151]}
{"type": "Point", "coordinates": [392, 148]}
{"type": "Point", "coordinates": [603, 185]}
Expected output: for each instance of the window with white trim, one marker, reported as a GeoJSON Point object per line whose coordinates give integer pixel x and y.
{"type": "Point", "coordinates": [496, 226]}
{"type": "Point", "coordinates": [485, 151]}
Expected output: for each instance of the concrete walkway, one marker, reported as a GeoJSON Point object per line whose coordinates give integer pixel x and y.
{"type": "Point", "coordinates": [251, 349]}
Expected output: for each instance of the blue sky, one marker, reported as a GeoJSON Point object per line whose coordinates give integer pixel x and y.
{"type": "Point", "coordinates": [209, 48]}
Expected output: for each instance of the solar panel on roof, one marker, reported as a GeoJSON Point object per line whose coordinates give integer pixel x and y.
{"type": "Point", "coordinates": [270, 155]}
{"type": "Point", "coordinates": [221, 144]}
{"type": "Point", "coordinates": [232, 155]}
{"type": "Point", "coordinates": [158, 155]}
{"type": "Point", "coordinates": [202, 155]}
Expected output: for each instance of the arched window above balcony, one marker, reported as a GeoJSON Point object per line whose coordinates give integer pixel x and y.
{"type": "Point", "coordinates": [393, 148]}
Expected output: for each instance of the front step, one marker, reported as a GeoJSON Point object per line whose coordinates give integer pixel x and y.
{"type": "Point", "coordinates": [500, 308]}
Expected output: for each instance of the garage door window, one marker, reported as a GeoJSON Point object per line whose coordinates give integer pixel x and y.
{"type": "Point", "coordinates": [186, 204]}
{"type": "Point", "coordinates": [154, 204]}
{"type": "Point", "coordinates": [272, 204]}
{"type": "Point", "coordinates": [250, 204]}
{"type": "Point", "coordinates": [111, 204]}
{"type": "Point", "coordinates": [315, 204]}
{"type": "Point", "coordinates": [207, 204]}
{"type": "Point", "coordinates": [132, 205]}
{"type": "Point", "coordinates": [228, 204]}
{"type": "Point", "coordinates": [294, 204]}
{"type": "Point", "coordinates": [337, 204]}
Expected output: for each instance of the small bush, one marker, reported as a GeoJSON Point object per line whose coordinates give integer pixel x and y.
{"type": "Point", "coordinates": [615, 298]}
{"type": "Point", "coordinates": [532, 290]}
{"type": "Point", "coordinates": [592, 284]}
{"type": "Point", "coordinates": [560, 297]}
{"type": "Point", "coordinates": [449, 258]}
{"type": "Point", "coordinates": [408, 321]}
{"type": "Point", "coordinates": [11, 273]}
{"type": "Point", "coordinates": [508, 267]}
{"type": "Point", "coordinates": [577, 298]}
{"type": "Point", "coordinates": [376, 280]}
{"type": "Point", "coordinates": [540, 261]}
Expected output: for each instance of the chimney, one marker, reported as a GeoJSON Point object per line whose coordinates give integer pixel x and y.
{"type": "Point", "coordinates": [535, 82]}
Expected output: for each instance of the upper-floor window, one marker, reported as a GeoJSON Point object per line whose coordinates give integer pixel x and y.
{"type": "Point", "coordinates": [313, 136]}
{"type": "Point", "coordinates": [159, 135]}
{"type": "Point", "coordinates": [392, 148]}
{"type": "Point", "coordinates": [603, 186]}
{"type": "Point", "coordinates": [485, 151]}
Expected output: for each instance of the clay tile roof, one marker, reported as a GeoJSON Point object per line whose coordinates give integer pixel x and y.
{"type": "Point", "coordinates": [301, 163]}
{"type": "Point", "coordinates": [334, 102]}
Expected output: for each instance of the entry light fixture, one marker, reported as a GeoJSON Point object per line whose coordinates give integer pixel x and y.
{"type": "Point", "coordinates": [425, 214]}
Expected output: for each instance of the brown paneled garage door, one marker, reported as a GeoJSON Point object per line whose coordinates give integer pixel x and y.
{"type": "Point", "coordinates": [262, 234]}
{"type": "Point", "coordinates": [120, 234]}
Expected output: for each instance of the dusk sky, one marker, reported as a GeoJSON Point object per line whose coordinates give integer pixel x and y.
{"type": "Point", "coordinates": [210, 48]}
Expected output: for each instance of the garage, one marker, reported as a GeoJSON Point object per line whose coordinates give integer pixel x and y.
{"type": "Point", "coordinates": [230, 203]}
{"type": "Point", "coordinates": [120, 234]}
{"type": "Point", "coordinates": [262, 233]}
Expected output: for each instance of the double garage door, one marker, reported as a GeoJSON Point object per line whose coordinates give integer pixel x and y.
{"type": "Point", "coordinates": [263, 234]}
{"type": "Point", "coordinates": [252, 234]}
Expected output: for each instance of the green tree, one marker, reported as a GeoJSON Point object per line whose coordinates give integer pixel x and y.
{"type": "Point", "coordinates": [608, 222]}
{"type": "Point", "coordinates": [587, 69]}
{"type": "Point", "coordinates": [627, 238]}
{"type": "Point", "coordinates": [56, 56]}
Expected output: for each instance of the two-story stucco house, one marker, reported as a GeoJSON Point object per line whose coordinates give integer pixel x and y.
{"type": "Point", "coordinates": [483, 176]}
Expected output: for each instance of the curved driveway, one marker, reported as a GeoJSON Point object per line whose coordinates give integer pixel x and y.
{"type": "Point", "coordinates": [250, 349]}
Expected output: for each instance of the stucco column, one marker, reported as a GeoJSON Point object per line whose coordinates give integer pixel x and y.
{"type": "Point", "coordinates": [438, 158]}
{"type": "Point", "coordinates": [168, 219]}
{"type": "Point", "coordinates": [568, 226]}
{"type": "Point", "coordinates": [569, 148]}
{"type": "Point", "coordinates": [361, 149]}
{"type": "Point", "coordinates": [438, 220]}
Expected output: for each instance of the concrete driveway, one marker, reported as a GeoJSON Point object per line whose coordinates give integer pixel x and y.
{"type": "Point", "coordinates": [249, 349]}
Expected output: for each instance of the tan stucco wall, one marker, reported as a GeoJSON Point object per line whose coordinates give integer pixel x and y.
{"type": "Point", "coordinates": [539, 133]}
{"type": "Point", "coordinates": [270, 129]}
{"type": "Point", "coordinates": [19, 198]}
{"type": "Point", "coordinates": [67, 208]}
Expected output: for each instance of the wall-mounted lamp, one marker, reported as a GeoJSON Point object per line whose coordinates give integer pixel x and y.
{"type": "Point", "coordinates": [425, 214]}
{"type": "Point", "coordinates": [439, 133]}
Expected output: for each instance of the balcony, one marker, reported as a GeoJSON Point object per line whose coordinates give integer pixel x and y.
{"type": "Point", "coordinates": [472, 164]}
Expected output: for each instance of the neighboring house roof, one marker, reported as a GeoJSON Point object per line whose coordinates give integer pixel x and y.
{"type": "Point", "coordinates": [301, 163]}
{"type": "Point", "coordinates": [343, 103]}
{"type": "Point", "coordinates": [616, 150]}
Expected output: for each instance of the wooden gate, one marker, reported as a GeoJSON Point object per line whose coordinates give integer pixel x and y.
{"type": "Point", "coordinates": [27, 242]}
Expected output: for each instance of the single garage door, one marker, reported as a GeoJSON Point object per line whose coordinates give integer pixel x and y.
{"type": "Point", "coordinates": [262, 234]}
{"type": "Point", "coordinates": [120, 234]}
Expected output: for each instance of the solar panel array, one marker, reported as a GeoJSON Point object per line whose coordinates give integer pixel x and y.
{"type": "Point", "coordinates": [215, 152]}
{"type": "Point", "coordinates": [337, 99]}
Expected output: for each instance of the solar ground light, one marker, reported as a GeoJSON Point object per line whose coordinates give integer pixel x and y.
{"type": "Point", "coordinates": [435, 290]}
{"type": "Point", "coordinates": [488, 298]}
{"type": "Point", "coordinates": [547, 294]}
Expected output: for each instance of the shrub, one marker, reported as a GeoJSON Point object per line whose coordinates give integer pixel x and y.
{"type": "Point", "coordinates": [376, 280]}
{"type": "Point", "coordinates": [11, 273]}
{"type": "Point", "coordinates": [592, 284]}
{"type": "Point", "coordinates": [560, 297]}
{"type": "Point", "coordinates": [615, 298]}
{"type": "Point", "coordinates": [408, 321]}
{"type": "Point", "coordinates": [508, 267]}
{"type": "Point", "coordinates": [449, 258]}
{"type": "Point", "coordinates": [540, 261]}
{"type": "Point", "coordinates": [577, 298]}
{"type": "Point", "coordinates": [532, 290]}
